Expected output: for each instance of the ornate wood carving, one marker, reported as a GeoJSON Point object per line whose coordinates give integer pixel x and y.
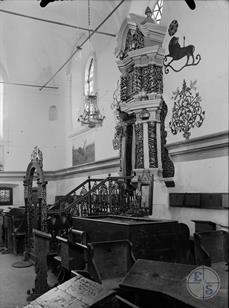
{"type": "Point", "coordinates": [167, 164]}
{"type": "Point", "coordinates": [123, 88]}
{"type": "Point", "coordinates": [147, 78]}
{"type": "Point", "coordinates": [139, 160]}
{"type": "Point", "coordinates": [140, 60]}
{"type": "Point", "coordinates": [155, 79]}
{"type": "Point", "coordinates": [35, 168]}
{"type": "Point", "coordinates": [152, 138]}
{"type": "Point", "coordinates": [137, 80]}
{"type": "Point", "coordinates": [134, 40]}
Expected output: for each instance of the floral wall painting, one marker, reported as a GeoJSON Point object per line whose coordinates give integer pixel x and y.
{"type": "Point", "coordinates": [187, 111]}
{"type": "Point", "coordinates": [177, 53]}
{"type": "Point", "coordinates": [83, 152]}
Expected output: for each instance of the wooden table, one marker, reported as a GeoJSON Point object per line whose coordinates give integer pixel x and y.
{"type": "Point", "coordinates": [77, 292]}
{"type": "Point", "coordinates": [169, 280]}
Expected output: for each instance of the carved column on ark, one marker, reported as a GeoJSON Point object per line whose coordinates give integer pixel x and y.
{"type": "Point", "coordinates": [140, 60]}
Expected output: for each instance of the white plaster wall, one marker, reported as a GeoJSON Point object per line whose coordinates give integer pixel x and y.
{"type": "Point", "coordinates": [206, 175]}
{"type": "Point", "coordinates": [107, 76]}
{"type": "Point", "coordinates": [207, 28]}
{"type": "Point", "coordinates": [27, 124]}
{"type": "Point", "coordinates": [196, 176]}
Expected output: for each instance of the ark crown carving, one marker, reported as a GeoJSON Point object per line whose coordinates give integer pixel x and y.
{"type": "Point", "coordinates": [37, 155]}
{"type": "Point", "coordinates": [138, 32]}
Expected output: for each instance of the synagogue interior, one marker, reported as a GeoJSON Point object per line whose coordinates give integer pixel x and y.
{"type": "Point", "coordinates": [114, 153]}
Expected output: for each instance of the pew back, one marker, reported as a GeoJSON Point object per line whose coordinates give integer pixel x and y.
{"type": "Point", "coordinates": [111, 259]}
{"type": "Point", "coordinates": [211, 247]}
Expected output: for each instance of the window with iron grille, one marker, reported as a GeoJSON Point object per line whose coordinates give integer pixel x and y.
{"type": "Point", "coordinates": [6, 196]}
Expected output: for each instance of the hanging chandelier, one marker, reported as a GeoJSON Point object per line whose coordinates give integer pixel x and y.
{"type": "Point", "coordinates": [91, 115]}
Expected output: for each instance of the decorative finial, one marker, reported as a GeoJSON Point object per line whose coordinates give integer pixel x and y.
{"type": "Point", "coordinates": [148, 13]}
{"type": "Point", "coordinates": [37, 155]}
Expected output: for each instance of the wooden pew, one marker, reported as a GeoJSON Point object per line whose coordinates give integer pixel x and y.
{"type": "Point", "coordinates": [41, 249]}
{"type": "Point", "coordinates": [153, 239]}
{"type": "Point", "coordinates": [211, 247]}
{"type": "Point", "coordinates": [77, 292]}
{"type": "Point", "coordinates": [163, 284]}
{"type": "Point", "coordinates": [14, 230]}
{"type": "Point", "coordinates": [110, 261]}
{"type": "Point", "coordinates": [124, 303]}
{"type": "Point", "coordinates": [72, 254]}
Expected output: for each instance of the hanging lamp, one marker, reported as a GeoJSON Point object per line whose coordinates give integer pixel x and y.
{"type": "Point", "coordinates": [91, 115]}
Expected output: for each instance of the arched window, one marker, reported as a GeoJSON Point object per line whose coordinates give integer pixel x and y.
{"type": "Point", "coordinates": [1, 107]}
{"type": "Point", "coordinates": [52, 113]}
{"type": "Point", "coordinates": [89, 81]}
{"type": "Point", "coordinates": [157, 10]}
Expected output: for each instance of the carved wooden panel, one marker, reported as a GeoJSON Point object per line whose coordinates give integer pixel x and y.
{"type": "Point", "coordinates": [139, 150]}
{"type": "Point", "coordinates": [123, 87]}
{"type": "Point", "coordinates": [199, 200]}
{"type": "Point", "coordinates": [156, 79]}
{"type": "Point", "coordinates": [153, 162]}
{"type": "Point", "coordinates": [167, 164]}
{"type": "Point", "coordinates": [134, 40]}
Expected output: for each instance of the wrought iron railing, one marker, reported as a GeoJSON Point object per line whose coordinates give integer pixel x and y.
{"type": "Point", "coordinates": [113, 195]}
{"type": "Point", "coordinates": [74, 194]}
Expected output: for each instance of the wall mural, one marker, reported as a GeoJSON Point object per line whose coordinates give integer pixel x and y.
{"type": "Point", "coordinates": [176, 52]}
{"type": "Point", "coordinates": [83, 152]}
{"type": "Point", "coordinates": [187, 111]}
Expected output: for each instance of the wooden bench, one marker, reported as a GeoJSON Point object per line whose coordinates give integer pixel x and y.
{"type": "Point", "coordinates": [124, 303]}
{"type": "Point", "coordinates": [211, 247]}
{"type": "Point", "coordinates": [72, 255]}
{"type": "Point", "coordinates": [110, 261]}
{"type": "Point", "coordinates": [77, 292]}
{"type": "Point", "coordinates": [41, 245]}
{"type": "Point", "coordinates": [204, 225]}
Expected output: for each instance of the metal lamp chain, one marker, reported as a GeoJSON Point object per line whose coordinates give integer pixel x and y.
{"type": "Point", "coordinates": [89, 18]}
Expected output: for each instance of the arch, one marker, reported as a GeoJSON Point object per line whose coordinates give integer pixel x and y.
{"type": "Point", "coordinates": [35, 167]}
{"type": "Point", "coordinates": [53, 113]}
{"type": "Point", "coordinates": [157, 10]}
{"type": "Point", "coordinates": [89, 77]}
